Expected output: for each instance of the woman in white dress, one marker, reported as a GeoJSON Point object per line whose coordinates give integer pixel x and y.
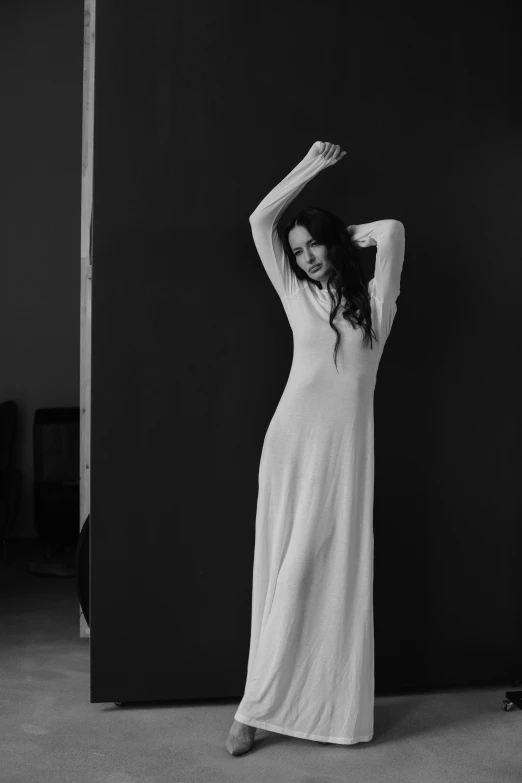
{"type": "Point", "coordinates": [311, 661]}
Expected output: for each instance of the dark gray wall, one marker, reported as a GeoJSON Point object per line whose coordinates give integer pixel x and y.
{"type": "Point", "coordinates": [41, 57]}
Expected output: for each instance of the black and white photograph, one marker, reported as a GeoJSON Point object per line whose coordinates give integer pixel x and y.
{"type": "Point", "coordinates": [260, 392]}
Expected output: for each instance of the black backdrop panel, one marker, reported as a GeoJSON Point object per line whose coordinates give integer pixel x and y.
{"type": "Point", "coordinates": [200, 109]}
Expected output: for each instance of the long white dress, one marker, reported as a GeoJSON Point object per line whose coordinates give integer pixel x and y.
{"type": "Point", "coordinates": [311, 661]}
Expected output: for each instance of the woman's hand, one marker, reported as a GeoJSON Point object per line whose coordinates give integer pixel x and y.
{"type": "Point", "coordinates": [330, 152]}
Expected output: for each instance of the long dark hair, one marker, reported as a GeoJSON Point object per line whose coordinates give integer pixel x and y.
{"type": "Point", "coordinates": [346, 278]}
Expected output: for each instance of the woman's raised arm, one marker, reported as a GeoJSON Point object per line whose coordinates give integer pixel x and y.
{"type": "Point", "coordinates": [263, 219]}
{"type": "Point", "coordinates": [389, 236]}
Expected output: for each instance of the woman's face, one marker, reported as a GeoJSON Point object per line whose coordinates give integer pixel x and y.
{"type": "Point", "coordinates": [308, 253]}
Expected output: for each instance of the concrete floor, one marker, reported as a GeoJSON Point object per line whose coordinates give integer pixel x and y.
{"type": "Point", "coordinates": [49, 731]}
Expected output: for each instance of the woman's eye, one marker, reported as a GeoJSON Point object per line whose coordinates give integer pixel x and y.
{"type": "Point", "coordinates": [312, 243]}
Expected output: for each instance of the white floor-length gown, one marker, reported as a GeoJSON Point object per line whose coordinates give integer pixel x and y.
{"type": "Point", "coordinates": [311, 661]}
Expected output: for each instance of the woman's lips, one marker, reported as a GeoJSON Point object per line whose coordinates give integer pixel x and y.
{"type": "Point", "coordinates": [315, 268]}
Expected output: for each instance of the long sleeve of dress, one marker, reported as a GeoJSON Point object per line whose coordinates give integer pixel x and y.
{"type": "Point", "coordinates": [384, 287]}
{"type": "Point", "coordinates": [263, 221]}
{"type": "Point", "coordinates": [389, 236]}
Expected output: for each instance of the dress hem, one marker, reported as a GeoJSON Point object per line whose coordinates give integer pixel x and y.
{"type": "Point", "coordinates": [261, 724]}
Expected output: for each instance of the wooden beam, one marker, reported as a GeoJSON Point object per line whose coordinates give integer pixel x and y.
{"type": "Point", "coordinates": [86, 271]}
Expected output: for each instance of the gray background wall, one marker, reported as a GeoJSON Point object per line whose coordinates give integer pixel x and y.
{"type": "Point", "coordinates": [41, 55]}
{"type": "Point", "coordinates": [200, 110]}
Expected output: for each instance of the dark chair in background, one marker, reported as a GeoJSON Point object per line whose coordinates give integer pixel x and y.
{"type": "Point", "coordinates": [10, 474]}
{"type": "Point", "coordinates": [56, 483]}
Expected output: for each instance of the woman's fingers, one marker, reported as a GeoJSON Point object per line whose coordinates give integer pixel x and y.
{"type": "Point", "coordinates": [326, 149]}
{"type": "Point", "coordinates": [331, 152]}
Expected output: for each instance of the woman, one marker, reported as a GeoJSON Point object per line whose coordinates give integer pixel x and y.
{"type": "Point", "coordinates": [311, 661]}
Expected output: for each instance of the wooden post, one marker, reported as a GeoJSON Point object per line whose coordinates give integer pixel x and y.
{"type": "Point", "coordinates": [86, 271]}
